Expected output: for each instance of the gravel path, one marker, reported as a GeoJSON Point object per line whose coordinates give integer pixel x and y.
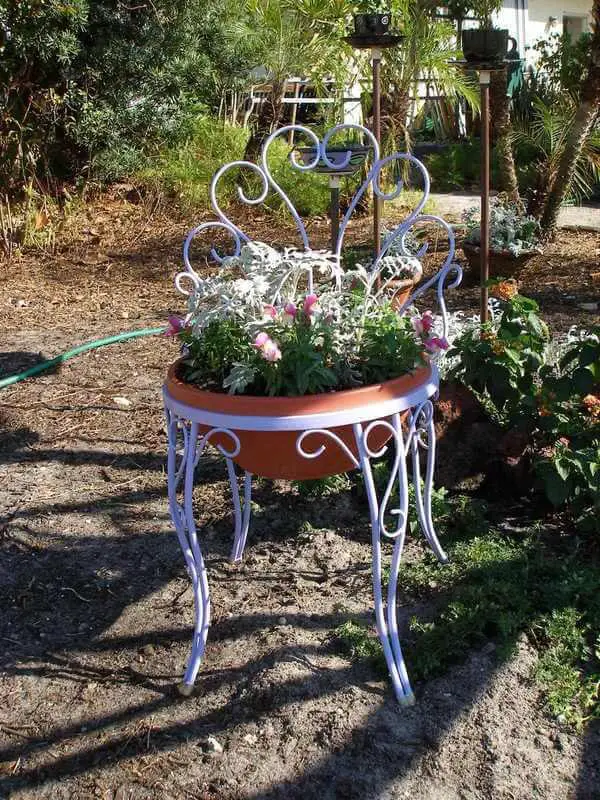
{"type": "Point", "coordinates": [585, 217]}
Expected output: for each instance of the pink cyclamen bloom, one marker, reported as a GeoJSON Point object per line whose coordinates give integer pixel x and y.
{"type": "Point", "coordinates": [176, 325]}
{"type": "Point", "coordinates": [290, 311]}
{"type": "Point", "coordinates": [261, 340]}
{"type": "Point", "coordinates": [310, 302]}
{"type": "Point", "coordinates": [270, 312]}
{"type": "Point", "coordinates": [271, 351]}
{"type": "Point", "coordinates": [436, 344]}
{"type": "Point", "coordinates": [423, 325]}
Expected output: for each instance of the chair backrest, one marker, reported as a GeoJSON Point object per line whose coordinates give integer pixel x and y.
{"type": "Point", "coordinates": [448, 276]}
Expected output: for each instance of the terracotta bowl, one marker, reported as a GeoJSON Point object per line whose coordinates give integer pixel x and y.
{"type": "Point", "coordinates": [273, 454]}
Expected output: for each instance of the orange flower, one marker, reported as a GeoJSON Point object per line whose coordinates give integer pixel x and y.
{"type": "Point", "coordinates": [592, 404]}
{"type": "Point", "coordinates": [498, 348]}
{"type": "Point", "coordinates": [505, 290]}
{"type": "Point", "coordinates": [487, 336]}
{"type": "Point", "coordinates": [544, 411]}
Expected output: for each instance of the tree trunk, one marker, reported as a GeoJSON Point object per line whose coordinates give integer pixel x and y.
{"type": "Point", "coordinates": [267, 119]}
{"type": "Point", "coordinates": [395, 106]}
{"type": "Point", "coordinates": [501, 130]}
{"type": "Point", "coordinates": [582, 125]}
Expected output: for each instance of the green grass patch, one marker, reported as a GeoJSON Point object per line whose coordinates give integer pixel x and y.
{"type": "Point", "coordinates": [496, 587]}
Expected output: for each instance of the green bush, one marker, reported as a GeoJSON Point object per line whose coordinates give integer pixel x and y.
{"type": "Point", "coordinates": [186, 170]}
{"type": "Point", "coordinates": [79, 78]}
{"type": "Point", "coordinates": [505, 363]}
{"type": "Point", "coordinates": [457, 167]}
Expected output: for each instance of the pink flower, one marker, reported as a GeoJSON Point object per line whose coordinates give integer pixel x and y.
{"type": "Point", "coordinates": [436, 344]}
{"type": "Point", "coordinates": [271, 351]}
{"type": "Point", "coordinates": [310, 302]}
{"type": "Point", "coordinates": [563, 441]}
{"type": "Point", "coordinates": [423, 325]}
{"type": "Point", "coordinates": [176, 325]}
{"type": "Point", "coordinates": [289, 313]}
{"type": "Point", "coordinates": [270, 312]}
{"type": "Point", "coordinates": [261, 340]}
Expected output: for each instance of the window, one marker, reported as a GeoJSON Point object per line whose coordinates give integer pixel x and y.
{"type": "Point", "coordinates": [574, 25]}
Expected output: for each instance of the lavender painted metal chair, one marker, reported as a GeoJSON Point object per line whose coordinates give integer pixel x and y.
{"type": "Point", "coordinates": [186, 445]}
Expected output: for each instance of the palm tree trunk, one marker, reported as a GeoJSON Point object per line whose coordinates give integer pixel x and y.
{"type": "Point", "coordinates": [267, 119]}
{"type": "Point", "coordinates": [395, 106]}
{"type": "Point", "coordinates": [582, 125]}
{"type": "Point", "coordinates": [501, 130]}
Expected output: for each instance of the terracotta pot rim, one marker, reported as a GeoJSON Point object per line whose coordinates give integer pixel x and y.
{"type": "Point", "coordinates": [261, 405]}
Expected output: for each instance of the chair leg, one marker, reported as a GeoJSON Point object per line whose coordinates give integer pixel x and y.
{"type": "Point", "coordinates": [423, 492]}
{"type": "Point", "coordinates": [386, 614]}
{"type": "Point", "coordinates": [185, 526]}
{"type": "Point", "coordinates": [241, 512]}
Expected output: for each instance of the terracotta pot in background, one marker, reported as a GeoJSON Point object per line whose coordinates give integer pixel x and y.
{"type": "Point", "coordinates": [502, 263]}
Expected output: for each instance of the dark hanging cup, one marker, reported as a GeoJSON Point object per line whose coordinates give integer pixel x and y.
{"type": "Point", "coordinates": [485, 45]}
{"type": "Point", "coordinates": [372, 24]}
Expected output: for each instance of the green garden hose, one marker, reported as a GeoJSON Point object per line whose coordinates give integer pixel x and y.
{"type": "Point", "coordinates": [82, 348]}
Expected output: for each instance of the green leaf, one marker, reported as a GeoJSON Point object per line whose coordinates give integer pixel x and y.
{"type": "Point", "coordinates": [557, 490]}
{"type": "Point", "coordinates": [583, 380]}
{"type": "Point", "coordinates": [563, 468]}
{"type": "Point", "coordinates": [589, 354]}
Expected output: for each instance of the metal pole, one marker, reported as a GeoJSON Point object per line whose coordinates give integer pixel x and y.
{"type": "Point", "coordinates": [484, 245]}
{"type": "Point", "coordinates": [376, 58]}
{"type": "Point", "coordinates": [334, 210]}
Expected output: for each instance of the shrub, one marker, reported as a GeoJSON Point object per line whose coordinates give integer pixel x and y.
{"type": "Point", "coordinates": [506, 364]}
{"type": "Point", "coordinates": [185, 170]}
{"type": "Point", "coordinates": [79, 78]}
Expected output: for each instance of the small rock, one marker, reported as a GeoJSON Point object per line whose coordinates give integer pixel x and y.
{"type": "Point", "coordinates": [560, 742]}
{"type": "Point", "coordinates": [282, 621]}
{"type": "Point", "coordinates": [212, 746]}
{"type": "Point", "coordinates": [149, 650]}
{"type": "Point", "coordinates": [251, 738]}
{"type": "Point", "coordinates": [122, 402]}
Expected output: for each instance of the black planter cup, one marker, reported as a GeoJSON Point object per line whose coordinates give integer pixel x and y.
{"type": "Point", "coordinates": [372, 24]}
{"type": "Point", "coordinates": [485, 45]}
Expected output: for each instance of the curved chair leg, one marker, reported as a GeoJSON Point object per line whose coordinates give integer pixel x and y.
{"type": "Point", "coordinates": [423, 493]}
{"type": "Point", "coordinates": [241, 512]}
{"type": "Point", "coordinates": [386, 618]}
{"type": "Point", "coordinates": [183, 519]}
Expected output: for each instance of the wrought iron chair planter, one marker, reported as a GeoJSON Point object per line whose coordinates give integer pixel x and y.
{"type": "Point", "coordinates": [308, 437]}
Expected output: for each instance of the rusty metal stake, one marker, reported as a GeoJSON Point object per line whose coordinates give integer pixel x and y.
{"type": "Point", "coordinates": [484, 244]}
{"type": "Point", "coordinates": [334, 209]}
{"type": "Point", "coordinates": [376, 58]}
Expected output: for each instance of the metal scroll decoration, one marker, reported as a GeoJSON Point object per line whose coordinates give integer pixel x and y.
{"type": "Point", "coordinates": [448, 276]}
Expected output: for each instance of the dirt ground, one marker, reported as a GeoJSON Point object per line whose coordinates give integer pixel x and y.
{"type": "Point", "coordinates": [96, 606]}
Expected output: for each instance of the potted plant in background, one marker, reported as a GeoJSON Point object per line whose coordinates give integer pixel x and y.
{"type": "Point", "coordinates": [400, 269]}
{"type": "Point", "coordinates": [515, 238]}
{"type": "Point", "coordinates": [338, 155]}
{"type": "Point", "coordinates": [261, 340]}
{"type": "Point", "coordinates": [372, 18]}
{"type": "Point", "coordinates": [485, 45]}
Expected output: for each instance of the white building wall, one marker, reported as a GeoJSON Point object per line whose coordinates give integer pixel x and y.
{"type": "Point", "coordinates": [528, 21]}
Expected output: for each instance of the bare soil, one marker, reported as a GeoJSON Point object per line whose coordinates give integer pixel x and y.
{"type": "Point", "coordinates": [97, 611]}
